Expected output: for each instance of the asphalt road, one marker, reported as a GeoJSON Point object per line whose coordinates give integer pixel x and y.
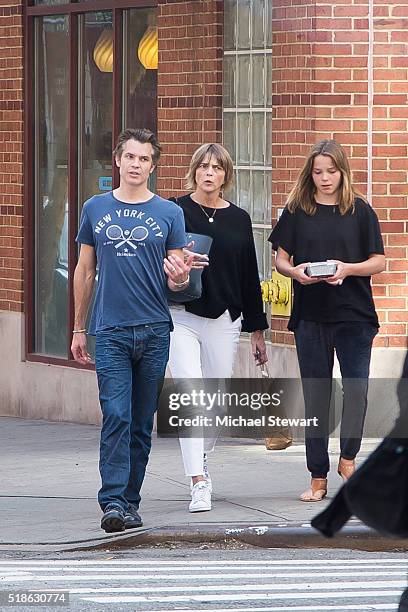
{"type": "Point", "coordinates": [209, 580]}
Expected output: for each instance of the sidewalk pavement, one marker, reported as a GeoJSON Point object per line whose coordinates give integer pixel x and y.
{"type": "Point", "coordinates": [49, 481]}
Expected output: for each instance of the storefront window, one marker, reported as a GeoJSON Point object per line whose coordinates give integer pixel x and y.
{"type": "Point", "coordinates": [95, 104]}
{"type": "Point", "coordinates": [140, 69]}
{"type": "Point", "coordinates": [247, 126]}
{"type": "Point", "coordinates": [51, 184]}
{"type": "Point", "coordinates": [140, 45]}
{"type": "Point", "coordinates": [75, 125]}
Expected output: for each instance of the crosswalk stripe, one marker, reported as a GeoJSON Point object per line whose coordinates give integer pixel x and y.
{"type": "Point", "coordinates": [365, 607]}
{"type": "Point", "coordinates": [176, 568]}
{"type": "Point", "coordinates": [193, 562]}
{"type": "Point", "coordinates": [135, 576]}
{"type": "Point", "coordinates": [303, 585]}
{"type": "Point", "coordinates": [245, 587]}
{"type": "Point", "coordinates": [246, 597]}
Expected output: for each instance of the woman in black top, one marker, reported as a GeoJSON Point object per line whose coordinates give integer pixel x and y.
{"type": "Point", "coordinates": [325, 219]}
{"type": "Point", "coordinates": [206, 330]}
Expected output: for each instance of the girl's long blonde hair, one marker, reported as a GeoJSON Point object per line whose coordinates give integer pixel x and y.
{"type": "Point", "coordinates": [303, 193]}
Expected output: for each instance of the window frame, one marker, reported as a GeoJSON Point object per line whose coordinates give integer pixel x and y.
{"type": "Point", "coordinates": [72, 10]}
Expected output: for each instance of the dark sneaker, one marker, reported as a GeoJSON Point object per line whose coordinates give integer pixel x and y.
{"type": "Point", "coordinates": [113, 519]}
{"type": "Point", "coordinates": [132, 518]}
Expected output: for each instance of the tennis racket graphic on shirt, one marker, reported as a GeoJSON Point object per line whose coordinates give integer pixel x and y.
{"type": "Point", "coordinates": [114, 232]}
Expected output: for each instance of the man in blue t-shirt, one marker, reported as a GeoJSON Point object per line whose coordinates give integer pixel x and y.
{"type": "Point", "coordinates": [135, 239]}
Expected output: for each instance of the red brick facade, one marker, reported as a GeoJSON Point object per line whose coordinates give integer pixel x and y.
{"type": "Point", "coordinates": [189, 84]}
{"type": "Point", "coordinates": [11, 156]}
{"type": "Point", "coordinates": [340, 71]}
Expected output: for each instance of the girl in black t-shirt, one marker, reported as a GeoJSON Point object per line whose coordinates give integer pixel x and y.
{"type": "Point", "coordinates": [326, 219]}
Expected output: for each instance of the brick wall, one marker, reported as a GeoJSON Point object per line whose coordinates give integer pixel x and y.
{"type": "Point", "coordinates": [190, 112]}
{"type": "Point", "coordinates": [390, 163]}
{"type": "Point", "coordinates": [293, 106]}
{"type": "Point", "coordinates": [329, 83]}
{"type": "Point", "coordinates": [189, 84]}
{"type": "Point", "coordinates": [11, 156]}
{"type": "Point", "coordinates": [320, 87]}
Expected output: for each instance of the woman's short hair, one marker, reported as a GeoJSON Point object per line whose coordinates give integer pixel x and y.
{"type": "Point", "coordinates": [206, 151]}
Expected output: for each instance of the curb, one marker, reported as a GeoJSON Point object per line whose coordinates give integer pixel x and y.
{"type": "Point", "coordinates": [288, 535]}
{"type": "Point", "coordinates": [266, 536]}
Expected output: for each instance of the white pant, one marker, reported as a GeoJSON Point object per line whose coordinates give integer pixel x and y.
{"type": "Point", "coordinates": [201, 348]}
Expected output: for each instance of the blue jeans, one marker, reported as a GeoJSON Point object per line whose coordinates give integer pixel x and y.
{"type": "Point", "coordinates": [130, 366]}
{"type": "Point", "coordinates": [315, 346]}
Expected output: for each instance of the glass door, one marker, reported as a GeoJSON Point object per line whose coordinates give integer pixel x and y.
{"type": "Point", "coordinates": [51, 184]}
{"type": "Point", "coordinates": [140, 55]}
{"type": "Point", "coordinates": [95, 94]}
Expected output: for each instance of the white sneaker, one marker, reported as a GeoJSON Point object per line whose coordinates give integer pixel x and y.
{"type": "Point", "coordinates": [200, 497]}
{"type": "Point", "coordinates": [206, 475]}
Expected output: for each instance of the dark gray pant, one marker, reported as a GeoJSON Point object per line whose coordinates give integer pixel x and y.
{"type": "Point", "coordinates": [315, 345]}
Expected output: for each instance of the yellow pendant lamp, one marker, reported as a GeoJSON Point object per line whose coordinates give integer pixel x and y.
{"type": "Point", "coordinates": [148, 51]}
{"type": "Point", "coordinates": [103, 51]}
